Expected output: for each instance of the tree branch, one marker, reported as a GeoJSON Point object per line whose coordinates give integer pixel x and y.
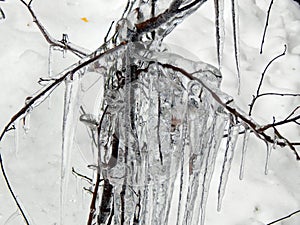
{"type": "Point", "coordinates": [251, 105]}
{"type": "Point", "coordinates": [62, 44]}
{"type": "Point", "coordinates": [12, 192]}
{"type": "Point", "coordinates": [283, 218]}
{"type": "Point", "coordinates": [266, 26]}
{"type": "Point", "coordinates": [234, 110]}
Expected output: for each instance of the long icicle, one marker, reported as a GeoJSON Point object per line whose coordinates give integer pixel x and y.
{"type": "Point", "coordinates": [17, 136]}
{"type": "Point", "coordinates": [267, 158]}
{"type": "Point", "coordinates": [220, 29]}
{"type": "Point", "coordinates": [70, 119]}
{"type": "Point", "coordinates": [209, 166]}
{"type": "Point", "coordinates": [235, 26]}
{"type": "Point", "coordinates": [233, 133]}
{"type": "Point", "coordinates": [244, 151]}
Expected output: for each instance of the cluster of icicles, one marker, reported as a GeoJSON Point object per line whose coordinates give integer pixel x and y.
{"type": "Point", "coordinates": [155, 133]}
{"type": "Point", "coordinates": [152, 127]}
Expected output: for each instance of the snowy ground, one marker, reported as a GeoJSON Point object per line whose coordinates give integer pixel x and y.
{"type": "Point", "coordinates": [33, 165]}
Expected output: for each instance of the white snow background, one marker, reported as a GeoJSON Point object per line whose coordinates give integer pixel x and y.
{"type": "Point", "coordinates": [32, 159]}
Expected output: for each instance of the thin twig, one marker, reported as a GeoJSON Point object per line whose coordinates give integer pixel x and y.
{"type": "Point", "coordinates": [157, 21]}
{"type": "Point", "coordinates": [235, 30]}
{"type": "Point", "coordinates": [95, 193]}
{"type": "Point", "coordinates": [12, 192]}
{"type": "Point", "coordinates": [292, 113]}
{"type": "Point", "coordinates": [251, 105]}
{"type": "Point", "coordinates": [278, 94]}
{"type": "Point", "coordinates": [192, 4]}
{"type": "Point", "coordinates": [283, 218]}
{"type": "Point", "coordinates": [266, 26]}
{"type": "Point", "coordinates": [285, 121]}
{"type": "Point", "coordinates": [81, 176]}
{"type": "Point", "coordinates": [66, 46]}
{"type": "Point", "coordinates": [109, 29]}
{"type": "Point", "coordinates": [2, 15]}
{"type": "Point", "coordinates": [94, 198]}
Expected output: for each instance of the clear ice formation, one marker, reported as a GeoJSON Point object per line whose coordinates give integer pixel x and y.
{"type": "Point", "coordinates": [156, 126]}
{"type": "Point", "coordinates": [155, 122]}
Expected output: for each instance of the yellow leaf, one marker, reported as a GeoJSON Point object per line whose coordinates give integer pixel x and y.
{"type": "Point", "coordinates": [84, 19]}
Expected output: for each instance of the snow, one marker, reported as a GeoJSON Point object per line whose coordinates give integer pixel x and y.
{"type": "Point", "coordinates": [34, 171]}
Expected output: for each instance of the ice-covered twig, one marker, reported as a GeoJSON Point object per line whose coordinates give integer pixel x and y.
{"type": "Point", "coordinates": [53, 42]}
{"type": "Point", "coordinates": [41, 95]}
{"type": "Point", "coordinates": [285, 121]}
{"type": "Point", "coordinates": [278, 94]}
{"type": "Point", "coordinates": [292, 113]}
{"type": "Point", "coordinates": [239, 114]}
{"type": "Point", "coordinates": [220, 29]}
{"type": "Point", "coordinates": [94, 198]}
{"type": "Point", "coordinates": [95, 192]}
{"type": "Point", "coordinates": [81, 176]}
{"type": "Point", "coordinates": [283, 218]}
{"type": "Point", "coordinates": [251, 105]}
{"type": "Point", "coordinates": [12, 192]}
{"type": "Point", "coordinates": [2, 15]}
{"type": "Point", "coordinates": [174, 11]}
{"type": "Point", "coordinates": [235, 25]}
{"type": "Point", "coordinates": [266, 26]}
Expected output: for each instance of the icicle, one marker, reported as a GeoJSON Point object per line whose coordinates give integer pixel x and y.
{"type": "Point", "coordinates": [220, 29]}
{"type": "Point", "coordinates": [184, 158]}
{"type": "Point", "coordinates": [26, 122]}
{"type": "Point", "coordinates": [233, 133]}
{"type": "Point", "coordinates": [50, 71]}
{"type": "Point", "coordinates": [65, 41]}
{"type": "Point", "coordinates": [12, 217]}
{"type": "Point", "coordinates": [267, 158]}
{"type": "Point", "coordinates": [180, 208]}
{"type": "Point", "coordinates": [176, 158]}
{"type": "Point", "coordinates": [17, 136]}
{"type": "Point", "coordinates": [50, 62]}
{"type": "Point", "coordinates": [70, 119]}
{"type": "Point", "coordinates": [244, 150]}
{"type": "Point", "coordinates": [235, 26]}
{"type": "Point", "coordinates": [217, 133]}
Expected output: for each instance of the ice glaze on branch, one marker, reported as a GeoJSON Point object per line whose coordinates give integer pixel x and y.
{"type": "Point", "coordinates": [62, 44]}
{"type": "Point", "coordinates": [172, 15]}
{"type": "Point", "coordinates": [243, 117]}
{"type": "Point", "coordinates": [251, 105]}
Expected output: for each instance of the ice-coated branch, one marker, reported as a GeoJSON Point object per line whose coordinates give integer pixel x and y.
{"type": "Point", "coordinates": [170, 15]}
{"type": "Point", "coordinates": [53, 42]}
{"type": "Point", "coordinates": [94, 198]}
{"type": "Point", "coordinates": [235, 26]}
{"type": "Point", "coordinates": [2, 15]}
{"type": "Point", "coordinates": [220, 29]}
{"type": "Point", "coordinates": [42, 94]}
{"type": "Point", "coordinates": [278, 94]}
{"type": "Point", "coordinates": [285, 121]}
{"type": "Point", "coordinates": [266, 26]}
{"type": "Point", "coordinates": [239, 114]}
{"type": "Point", "coordinates": [12, 192]}
{"type": "Point", "coordinates": [283, 218]}
{"type": "Point", "coordinates": [86, 178]}
{"type": "Point", "coordinates": [251, 105]}
{"type": "Point", "coordinates": [39, 97]}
